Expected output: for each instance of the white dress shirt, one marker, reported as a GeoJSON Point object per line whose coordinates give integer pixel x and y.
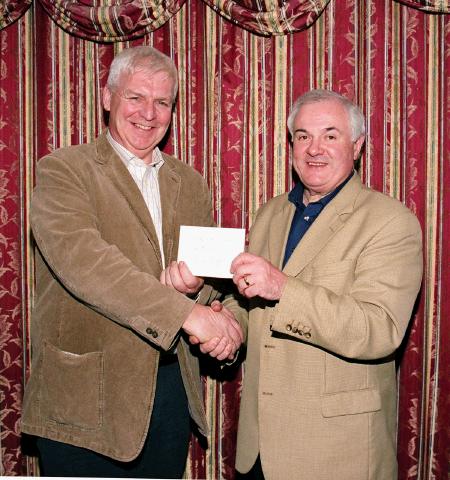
{"type": "Point", "coordinates": [146, 178]}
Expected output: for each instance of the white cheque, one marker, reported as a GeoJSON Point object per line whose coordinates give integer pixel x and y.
{"type": "Point", "coordinates": [209, 251]}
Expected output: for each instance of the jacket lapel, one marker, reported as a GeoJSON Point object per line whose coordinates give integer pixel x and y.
{"type": "Point", "coordinates": [169, 187]}
{"type": "Point", "coordinates": [117, 172]}
{"type": "Point", "coordinates": [330, 220]}
{"type": "Point", "coordinates": [280, 225]}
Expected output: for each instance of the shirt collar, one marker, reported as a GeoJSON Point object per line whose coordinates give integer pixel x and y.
{"type": "Point", "coordinates": [295, 196]}
{"type": "Point", "coordinates": [129, 158]}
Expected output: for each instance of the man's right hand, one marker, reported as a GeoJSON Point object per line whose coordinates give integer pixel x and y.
{"type": "Point", "coordinates": [216, 330]}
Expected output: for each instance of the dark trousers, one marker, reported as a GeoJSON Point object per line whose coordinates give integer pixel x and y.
{"type": "Point", "coordinates": [255, 472]}
{"type": "Point", "coordinates": [163, 455]}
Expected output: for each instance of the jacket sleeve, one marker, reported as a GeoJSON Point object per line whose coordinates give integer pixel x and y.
{"type": "Point", "coordinates": [368, 318]}
{"type": "Point", "coordinates": [94, 271]}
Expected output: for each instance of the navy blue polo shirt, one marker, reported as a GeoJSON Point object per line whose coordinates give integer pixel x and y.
{"type": "Point", "coordinates": [305, 216]}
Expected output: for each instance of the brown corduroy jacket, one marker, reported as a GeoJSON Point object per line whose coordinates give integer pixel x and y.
{"type": "Point", "coordinates": [101, 316]}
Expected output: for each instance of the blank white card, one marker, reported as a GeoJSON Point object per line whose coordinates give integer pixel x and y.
{"type": "Point", "coordinates": [209, 251]}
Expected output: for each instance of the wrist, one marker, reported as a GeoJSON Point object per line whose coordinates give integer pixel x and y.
{"type": "Point", "coordinates": [190, 319]}
{"type": "Point", "coordinates": [281, 284]}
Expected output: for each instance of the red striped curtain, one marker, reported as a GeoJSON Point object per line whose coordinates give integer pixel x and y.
{"type": "Point", "coordinates": [236, 86]}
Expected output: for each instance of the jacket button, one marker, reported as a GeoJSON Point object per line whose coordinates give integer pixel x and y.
{"type": "Point", "coordinates": [300, 332]}
{"type": "Point", "coordinates": [154, 334]}
{"type": "Point", "coordinates": [294, 330]}
{"type": "Point", "coordinates": [307, 335]}
{"type": "Point", "coordinates": [288, 327]}
{"type": "Point", "coordinates": [149, 331]}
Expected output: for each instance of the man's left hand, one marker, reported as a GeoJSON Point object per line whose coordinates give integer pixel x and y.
{"type": "Point", "coordinates": [178, 276]}
{"type": "Point", "coordinates": [255, 276]}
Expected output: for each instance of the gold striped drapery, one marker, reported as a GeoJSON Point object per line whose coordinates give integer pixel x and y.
{"type": "Point", "coordinates": [235, 93]}
{"type": "Point", "coordinates": [431, 6]}
{"type": "Point", "coordinates": [118, 20]}
{"type": "Point", "coordinates": [12, 10]}
{"type": "Point", "coordinates": [111, 20]}
{"type": "Point", "coordinates": [270, 17]}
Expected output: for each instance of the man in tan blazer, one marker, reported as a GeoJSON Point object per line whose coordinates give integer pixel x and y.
{"type": "Point", "coordinates": [332, 274]}
{"type": "Point", "coordinates": [114, 383]}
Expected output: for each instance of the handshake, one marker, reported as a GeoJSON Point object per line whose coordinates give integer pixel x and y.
{"type": "Point", "coordinates": [214, 328]}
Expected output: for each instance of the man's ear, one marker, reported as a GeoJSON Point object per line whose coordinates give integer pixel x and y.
{"type": "Point", "coordinates": [357, 146]}
{"type": "Point", "coordinates": [106, 98]}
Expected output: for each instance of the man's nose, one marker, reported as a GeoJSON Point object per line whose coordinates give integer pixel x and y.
{"type": "Point", "coordinates": [148, 110]}
{"type": "Point", "coordinates": [315, 147]}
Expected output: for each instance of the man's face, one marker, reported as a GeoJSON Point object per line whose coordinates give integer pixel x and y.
{"type": "Point", "coordinates": [324, 152]}
{"type": "Point", "coordinates": [140, 111]}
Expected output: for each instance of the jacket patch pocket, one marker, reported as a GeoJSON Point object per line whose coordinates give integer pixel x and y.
{"type": "Point", "coordinates": [351, 403]}
{"type": "Point", "coordinates": [72, 388]}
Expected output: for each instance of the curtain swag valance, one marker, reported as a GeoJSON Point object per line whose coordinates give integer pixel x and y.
{"type": "Point", "coordinates": [120, 20]}
{"type": "Point", "coordinates": [12, 10]}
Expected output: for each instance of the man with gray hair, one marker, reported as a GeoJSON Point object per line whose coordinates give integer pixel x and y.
{"type": "Point", "coordinates": [114, 382]}
{"type": "Point", "coordinates": [331, 275]}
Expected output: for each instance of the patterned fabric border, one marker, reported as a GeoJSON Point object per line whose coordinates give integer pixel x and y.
{"type": "Point", "coordinates": [431, 6]}
{"type": "Point", "coordinates": [236, 89]}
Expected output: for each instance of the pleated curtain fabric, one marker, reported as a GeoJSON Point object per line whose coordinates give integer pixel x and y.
{"type": "Point", "coordinates": [240, 69]}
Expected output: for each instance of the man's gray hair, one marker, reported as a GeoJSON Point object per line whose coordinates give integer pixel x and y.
{"type": "Point", "coordinates": [144, 57]}
{"type": "Point", "coordinates": [356, 117]}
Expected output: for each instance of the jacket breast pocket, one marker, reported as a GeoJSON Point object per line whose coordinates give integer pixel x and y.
{"type": "Point", "coordinates": [72, 388]}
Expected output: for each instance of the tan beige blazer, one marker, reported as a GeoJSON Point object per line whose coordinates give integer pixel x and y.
{"type": "Point", "coordinates": [101, 315]}
{"type": "Point", "coordinates": [319, 395]}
